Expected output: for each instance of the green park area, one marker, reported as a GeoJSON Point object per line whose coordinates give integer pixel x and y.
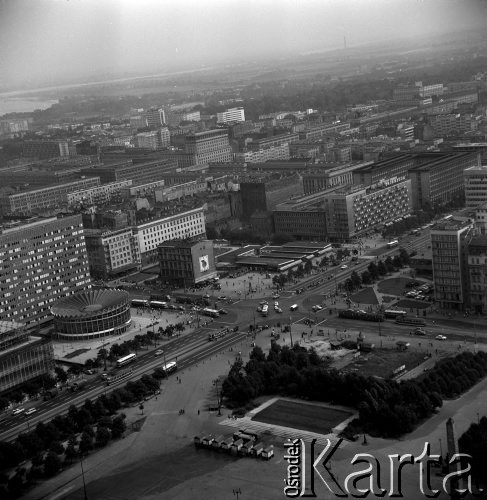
{"type": "Point", "coordinates": [299, 415]}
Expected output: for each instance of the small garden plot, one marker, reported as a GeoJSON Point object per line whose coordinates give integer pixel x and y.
{"type": "Point", "coordinates": [365, 296]}
{"type": "Point", "coordinates": [382, 362]}
{"type": "Point", "coordinates": [301, 415]}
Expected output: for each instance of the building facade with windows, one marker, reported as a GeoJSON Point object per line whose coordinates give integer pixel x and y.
{"type": "Point", "coordinates": [231, 115]}
{"type": "Point", "coordinates": [475, 185]}
{"type": "Point", "coordinates": [477, 273]}
{"type": "Point", "coordinates": [38, 200]}
{"type": "Point", "coordinates": [111, 253]}
{"type": "Point", "coordinates": [41, 262]}
{"type": "Point", "coordinates": [98, 194]}
{"type": "Point", "coordinates": [449, 240]}
{"type": "Point", "coordinates": [22, 357]}
{"type": "Point", "coordinates": [186, 262]}
{"type": "Point", "coordinates": [354, 210]}
{"type": "Point", "coordinates": [151, 234]}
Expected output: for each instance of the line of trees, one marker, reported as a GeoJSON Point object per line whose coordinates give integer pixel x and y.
{"type": "Point", "coordinates": [55, 445]}
{"type": "Point", "coordinates": [376, 271]}
{"type": "Point", "coordinates": [386, 408]}
{"type": "Point", "coordinates": [116, 351]}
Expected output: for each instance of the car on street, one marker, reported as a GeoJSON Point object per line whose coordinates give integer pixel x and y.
{"type": "Point", "coordinates": [276, 296]}
{"type": "Point", "coordinates": [440, 337]}
{"type": "Point", "coordinates": [419, 331]}
{"type": "Point", "coordinates": [222, 311]}
{"type": "Point", "coordinates": [259, 309]}
{"type": "Point", "coordinates": [317, 307]}
{"type": "Point", "coordinates": [276, 304]}
{"type": "Point", "coordinates": [222, 297]}
{"type": "Point", "coordinates": [30, 411]}
{"type": "Point", "coordinates": [344, 266]}
{"type": "Point", "coordinates": [158, 352]}
{"type": "Point", "coordinates": [18, 410]}
{"type": "Point", "coordinates": [263, 302]}
{"type": "Point", "coordinates": [278, 309]}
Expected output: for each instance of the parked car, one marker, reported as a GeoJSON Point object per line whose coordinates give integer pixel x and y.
{"type": "Point", "coordinates": [30, 411]}
{"type": "Point", "coordinates": [440, 337]}
{"type": "Point", "coordinates": [344, 266]}
{"type": "Point", "coordinates": [158, 352]}
{"type": "Point", "coordinates": [18, 410]}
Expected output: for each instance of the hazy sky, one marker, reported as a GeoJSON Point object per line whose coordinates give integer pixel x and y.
{"type": "Point", "coordinates": [52, 41]}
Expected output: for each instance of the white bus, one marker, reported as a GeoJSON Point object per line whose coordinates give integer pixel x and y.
{"type": "Point", "coordinates": [126, 360]}
{"type": "Point", "coordinates": [265, 310]}
{"type": "Point", "coordinates": [392, 244]}
{"type": "Point", "coordinates": [169, 367]}
{"type": "Point", "coordinates": [140, 303]}
{"type": "Point", "coordinates": [213, 313]}
{"type": "Point", "coordinates": [158, 305]}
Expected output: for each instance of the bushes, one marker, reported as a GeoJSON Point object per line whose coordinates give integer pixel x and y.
{"type": "Point", "coordinates": [386, 408]}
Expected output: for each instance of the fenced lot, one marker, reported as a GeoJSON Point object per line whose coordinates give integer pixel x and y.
{"type": "Point", "coordinates": [301, 415]}
{"type": "Point", "coordinates": [382, 362]}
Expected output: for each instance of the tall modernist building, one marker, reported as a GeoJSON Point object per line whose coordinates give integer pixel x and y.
{"type": "Point", "coordinates": [186, 262]}
{"type": "Point", "coordinates": [353, 210]}
{"type": "Point", "coordinates": [39, 263]}
{"type": "Point", "coordinates": [449, 240]}
{"type": "Point", "coordinates": [475, 185]}
{"type": "Point", "coordinates": [22, 357]}
{"type": "Point", "coordinates": [477, 273]}
{"type": "Point", "coordinates": [231, 115]}
{"type": "Point", "coordinates": [209, 146]}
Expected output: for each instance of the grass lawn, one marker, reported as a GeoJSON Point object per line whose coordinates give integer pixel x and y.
{"type": "Point", "coordinates": [382, 362]}
{"type": "Point", "coordinates": [394, 286]}
{"type": "Point", "coordinates": [301, 415]}
{"type": "Point", "coordinates": [365, 296]}
{"type": "Point", "coordinates": [407, 304]}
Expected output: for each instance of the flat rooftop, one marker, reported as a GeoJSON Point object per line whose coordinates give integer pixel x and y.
{"type": "Point", "coordinates": [8, 326]}
{"type": "Point", "coordinates": [451, 225]}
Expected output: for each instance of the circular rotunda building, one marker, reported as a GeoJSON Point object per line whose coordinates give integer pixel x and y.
{"type": "Point", "coordinates": [92, 314]}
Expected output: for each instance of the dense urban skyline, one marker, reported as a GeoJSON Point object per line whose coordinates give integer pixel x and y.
{"type": "Point", "coordinates": [51, 42]}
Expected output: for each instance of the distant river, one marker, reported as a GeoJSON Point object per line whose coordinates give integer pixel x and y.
{"type": "Point", "coordinates": [23, 105]}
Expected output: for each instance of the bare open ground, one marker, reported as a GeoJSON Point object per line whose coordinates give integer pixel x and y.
{"type": "Point", "coordinates": [301, 415]}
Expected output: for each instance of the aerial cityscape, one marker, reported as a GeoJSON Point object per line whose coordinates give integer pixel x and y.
{"type": "Point", "coordinates": [243, 249]}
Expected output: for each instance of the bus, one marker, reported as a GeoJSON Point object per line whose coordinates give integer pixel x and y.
{"type": "Point", "coordinates": [156, 304]}
{"type": "Point", "coordinates": [265, 310]}
{"type": "Point", "coordinates": [392, 244]}
{"type": "Point", "coordinates": [115, 377]}
{"type": "Point", "coordinates": [213, 313]}
{"type": "Point", "coordinates": [140, 303]}
{"type": "Point", "coordinates": [169, 367]}
{"type": "Point", "coordinates": [126, 360]}
{"type": "Point", "coordinates": [392, 313]}
{"type": "Point", "coordinates": [405, 320]}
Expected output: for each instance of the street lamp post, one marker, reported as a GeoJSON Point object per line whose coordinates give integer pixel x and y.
{"type": "Point", "coordinates": [441, 449]}
{"type": "Point", "coordinates": [218, 395]}
{"type": "Point", "coordinates": [83, 476]}
{"type": "Point", "coordinates": [290, 328]}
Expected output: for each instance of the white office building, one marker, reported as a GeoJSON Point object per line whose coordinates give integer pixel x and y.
{"type": "Point", "coordinates": [231, 115]}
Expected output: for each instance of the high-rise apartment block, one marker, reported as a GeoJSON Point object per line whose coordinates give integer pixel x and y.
{"type": "Point", "coordinates": [449, 246]}
{"type": "Point", "coordinates": [477, 273]}
{"type": "Point", "coordinates": [186, 262]}
{"type": "Point", "coordinates": [475, 185]}
{"type": "Point", "coordinates": [209, 146]}
{"type": "Point", "coordinates": [231, 116]}
{"type": "Point", "coordinates": [41, 262]}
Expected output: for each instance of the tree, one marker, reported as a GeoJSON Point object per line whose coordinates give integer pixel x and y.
{"type": "Point", "coordinates": [356, 281]}
{"type": "Point", "coordinates": [366, 278]}
{"type": "Point", "coordinates": [57, 447]}
{"type": "Point", "coordinates": [118, 426]}
{"type": "Point", "coordinates": [324, 261]}
{"type": "Point", "coordinates": [71, 453]}
{"type": "Point", "coordinates": [4, 402]}
{"type": "Point", "coordinates": [86, 443]}
{"type": "Point", "coordinates": [61, 375]}
{"type": "Point", "coordinates": [308, 267]}
{"type": "Point", "coordinates": [389, 264]}
{"type": "Point", "coordinates": [52, 464]}
{"type": "Point", "coordinates": [16, 485]}
{"type": "Point", "coordinates": [381, 268]}
{"type": "Point", "coordinates": [102, 436]}
{"type": "Point", "coordinates": [373, 270]}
